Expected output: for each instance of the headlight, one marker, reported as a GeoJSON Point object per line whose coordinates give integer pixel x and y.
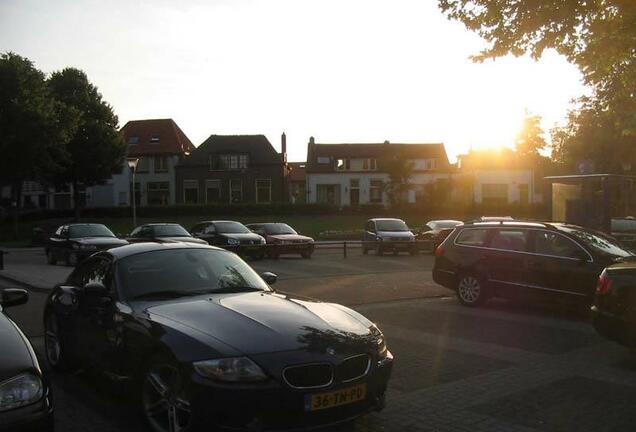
{"type": "Point", "coordinates": [233, 241]}
{"type": "Point", "coordinates": [236, 369]}
{"type": "Point", "coordinates": [411, 238]}
{"type": "Point", "coordinates": [87, 247]}
{"type": "Point", "coordinates": [378, 238]}
{"type": "Point", "coordinates": [262, 240]}
{"type": "Point", "coordinates": [19, 391]}
{"type": "Point", "coordinates": [381, 346]}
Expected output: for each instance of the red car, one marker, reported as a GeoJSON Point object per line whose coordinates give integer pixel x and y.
{"type": "Point", "coordinates": [283, 240]}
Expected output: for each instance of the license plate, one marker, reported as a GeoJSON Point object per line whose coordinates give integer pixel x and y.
{"type": "Point", "coordinates": [335, 398]}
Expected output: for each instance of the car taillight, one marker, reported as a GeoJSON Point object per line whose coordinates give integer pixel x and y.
{"type": "Point", "coordinates": [604, 284]}
{"type": "Point", "coordinates": [439, 250]}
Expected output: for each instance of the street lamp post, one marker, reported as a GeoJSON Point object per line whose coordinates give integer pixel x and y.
{"type": "Point", "coordinates": [132, 164]}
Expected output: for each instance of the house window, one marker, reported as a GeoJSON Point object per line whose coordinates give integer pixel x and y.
{"type": "Point", "coordinates": [191, 191]}
{"type": "Point", "coordinates": [494, 193]}
{"type": "Point", "coordinates": [343, 164]}
{"type": "Point", "coordinates": [431, 164]}
{"type": "Point", "coordinates": [323, 159]}
{"type": "Point", "coordinates": [229, 162]}
{"type": "Point", "coordinates": [154, 139]}
{"type": "Point", "coordinates": [212, 191]}
{"type": "Point", "coordinates": [142, 165]}
{"type": "Point", "coordinates": [375, 191]}
{"type": "Point", "coordinates": [133, 140]}
{"type": "Point", "coordinates": [263, 191]}
{"type": "Point", "coordinates": [354, 192]}
{"type": "Point", "coordinates": [242, 163]}
{"type": "Point", "coordinates": [236, 190]}
{"type": "Point", "coordinates": [372, 164]}
{"type": "Point", "coordinates": [158, 193]}
{"type": "Point", "coordinates": [161, 164]}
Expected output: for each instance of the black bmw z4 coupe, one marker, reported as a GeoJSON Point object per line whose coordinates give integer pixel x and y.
{"type": "Point", "coordinates": [206, 343]}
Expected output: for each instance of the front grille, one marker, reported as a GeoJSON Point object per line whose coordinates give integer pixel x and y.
{"type": "Point", "coordinates": [248, 242]}
{"type": "Point", "coordinates": [353, 368]}
{"type": "Point", "coordinates": [309, 376]}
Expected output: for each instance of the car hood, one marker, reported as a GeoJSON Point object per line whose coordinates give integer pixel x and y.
{"type": "Point", "coordinates": [101, 241]}
{"type": "Point", "coordinates": [242, 236]}
{"type": "Point", "coordinates": [290, 237]}
{"type": "Point", "coordinates": [16, 355]}
{"type": "Point", "coordinates": [396, 234]}
{"type": "Point", "coordinates": [256, 323]}
{"type": "Point", "coordinates": [181, 239]}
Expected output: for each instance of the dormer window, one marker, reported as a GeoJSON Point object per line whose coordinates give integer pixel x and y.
{"type": "Point", "coordinates": [343, 164]}
{"type": "Point", "coordinates": [133, 140]}
{"type": "Point", "coordinates": [228, 162]}
{"type": "Point", "coordinates": [323, 159]}
{"type": "Point", "coordinates": [154, 139]}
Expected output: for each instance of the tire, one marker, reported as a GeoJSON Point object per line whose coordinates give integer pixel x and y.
{"type": "Point", "coordinates": [471, 290]}
{"type": "Point", "coordinates": [57, 347]}
{"type": "Point", "coordinates": [50, 257]}
{"type": "Point", "coordinates": [164, 398]}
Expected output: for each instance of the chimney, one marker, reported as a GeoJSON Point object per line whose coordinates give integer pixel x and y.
{"type": "Point", "coordinates": [283, 146]}
{"type": "Point", "coordinates": [311, 141]}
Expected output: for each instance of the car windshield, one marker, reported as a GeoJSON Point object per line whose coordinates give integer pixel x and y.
{"type": "Point", "coordinates": [443, 224]}
{"type": "Point", "coordinates": [279, 228]}
{"type": "Point", "coordinates": [170, 231]}
{"type": "Point", "coordinates": [598, 242]}
{"type": "Point", "coordinates": [231, 228]}
{"type": "Point", "coordinates": [89, 230]}
{"type": "Point", "coordinates": [391, 225]}
{"type": "Point", "coordinates": [184, 272]}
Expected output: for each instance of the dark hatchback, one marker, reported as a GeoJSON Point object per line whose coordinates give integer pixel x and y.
{"type": "Point", "coordinates": [162, 233]}
{"type": "Point", "coordinates": [436, 231]}
{"type": "Point", "coordinates": [72, 243]}
{"type": "Point", "coordinates": [523, 260]}
{"type": "Point", "coordinates": [614, 309]}
{"type": "Point", "coordinates": [211, 344]}
{"type": "Point", "coordinates": [26, 402]}
{"type": "Point", "coordinates": [283, 240]}
{"type": "Point", "coordinates": [232, 236]}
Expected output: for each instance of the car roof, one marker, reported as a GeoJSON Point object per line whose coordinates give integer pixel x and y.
{"type": "Point", "coordinates": [217, 221]}
{"type": "Point", "coordinates": [160, 224]}
{"type": "Point", "coordinates": [444, 220]}
{"type": "Point", "coordinates": [384, 219]}
{"type": "Point", "coordinates": [137, 248]}
{"type": "Point", "coordinates": [266, 223]}
{"type": "Point", "coordinates": [81, 223]}
{"type": "Point", "coordinates": [506, 223]}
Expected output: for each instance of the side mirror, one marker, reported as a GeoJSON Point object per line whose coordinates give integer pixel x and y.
{"type": "Point", "coordinates": [95, 289]}
{"type": "Point", "coordinates": [269, 277]}
{"type": "Point", "coordinates": [13, 297]}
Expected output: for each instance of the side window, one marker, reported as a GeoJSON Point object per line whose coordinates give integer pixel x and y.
{"type": "Point", "coordinates": [510, 239]}
{"type": "Point", "coordinates": [58, 232]}
{"type": "Point", "coordinates": [472, 237]}
{"type": "Point", "coordinates": [145, 232]}
{"type": "Point", "coordinates": [135, 232]}
{"type": "Point", "coordinates": [210, 229]}
{"type": "Point", "coordinates": [370, 226]}
{"type": "Point", "coordinates": [548, 243]}
{"type": "Point", "coordinates": [64, 232]}
{"type": "Point", "coordinates": [197, 229]}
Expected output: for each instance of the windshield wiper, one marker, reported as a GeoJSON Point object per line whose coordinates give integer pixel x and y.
{"type": "Point", "coordinates": [168, 294]}
{"type": "Point", "coordinates": [234, 289]}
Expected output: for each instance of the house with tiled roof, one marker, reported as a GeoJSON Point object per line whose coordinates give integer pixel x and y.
{"type": "Point", "coordinates": [296, 182]}
{"type": "Point", "coordinates": [354, 174]}
{"type": "Point", "coordinates": [157, 145]}
{"type": "Point", "coordinates": [233, 169]}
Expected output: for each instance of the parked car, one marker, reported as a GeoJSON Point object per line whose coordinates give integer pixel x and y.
{"type": "Point", "coordinates": [282, 239]}
{"type": "Point", "coordinates": [211, 344]}
{"type": "Point", "coordinates": [614, 306]}
{"type": "Point", "coordinates": [516, 260]}
{"type": "Point", "coordinates": [232, 236]}
{"type": "Point", "coordinates": [26, 402]}
{"type": "Point", "coordinates": [624, 230]}
{"type": "Point", "coordinates": [384, 235]}
{"type": "Point", "coordinates": [162, 233]}
{"type": "Point", "coordinates": [436, 231]}
{"type": "Point", "coordinates": [72, 243]}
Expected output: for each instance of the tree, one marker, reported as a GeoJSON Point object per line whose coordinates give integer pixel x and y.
{"type": "Point", "coordinates": [400, 170]}
{"type": "Point", "coordinates": [96, 149]}
{"type": "Point", "coordinates": [598, 36]}
{"type": "Point", "coordinates": [31, 135]}
{"type": "Point", "coordinates": [529, 140]}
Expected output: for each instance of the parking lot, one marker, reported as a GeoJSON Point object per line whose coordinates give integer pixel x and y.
{"type": "Point", "coordinates": [505, 366]}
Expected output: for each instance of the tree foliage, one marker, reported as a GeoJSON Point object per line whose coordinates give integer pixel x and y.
{"type": "Point", "coordinates": [599, 36]}
{"type": "Point", "coordinates": [400, 170]}
{"type": "Point", "coordinates": [96, 150]}
{"type": "Point", "coordinates": [529, 140]}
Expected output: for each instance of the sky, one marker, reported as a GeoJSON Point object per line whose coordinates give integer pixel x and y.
{"type": "Point", "coordinates": [341, 71]}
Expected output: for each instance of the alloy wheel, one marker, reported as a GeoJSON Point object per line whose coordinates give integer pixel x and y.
{"type": "Point", "coordinates": [164, 405]}
{"type": "Point", "coordinates": [469, 289]}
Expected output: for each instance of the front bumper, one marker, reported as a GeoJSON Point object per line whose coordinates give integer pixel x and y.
{"type": "Point", "coordinates": [392, 245]}
{"type": "Point", "coordinates": [246, 249]}
{"type": "Point", "coordinates": [613, 327]}
{"type": "Point", "coordinates": [291, 248]}
{"type": "Point", "coordinates": [37, 417]}
{"type": "Point", "coordinates": [275, 406]}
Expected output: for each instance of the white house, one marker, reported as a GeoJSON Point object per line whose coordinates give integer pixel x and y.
{"type": "Point", "coordinates": [353, 174]}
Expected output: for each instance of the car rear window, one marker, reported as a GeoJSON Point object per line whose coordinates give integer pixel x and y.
{"type": "Point", "coordinates": [472, 237]}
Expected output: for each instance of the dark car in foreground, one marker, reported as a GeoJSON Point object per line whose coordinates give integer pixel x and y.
{"type": "Point", "coordinates": [162, 233]}
{"type": "Point", "coordinates": [232, 236]}
{"type": "Point", "coordinates": [388, 235]}
{"type": "Point", "coordinates": [72, 243]}
{"type": "Point", "coordinates": [614, 308]}
{"type": "Point", "coordinates": [26, 402]}
{"type": "Point", "coordinates": [436, 231]}
{"type": "Point", "coordinates": [211, 344]}
{"type": "Point", "coordinates": [282, 239]}
{"type": "Point", "coordinates": [523, 260]}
